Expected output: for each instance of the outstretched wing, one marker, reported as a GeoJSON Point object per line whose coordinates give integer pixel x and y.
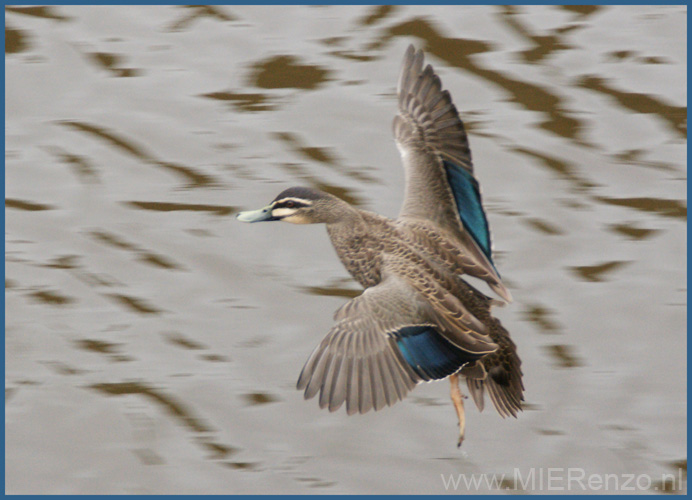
{"type": "Point", "coordinates": [382, 345]}
{"type": "Point", "coordinates": [440, 185]}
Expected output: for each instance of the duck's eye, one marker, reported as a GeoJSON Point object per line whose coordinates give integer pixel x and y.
{"type": "Point", "coordinates": [290, 204]}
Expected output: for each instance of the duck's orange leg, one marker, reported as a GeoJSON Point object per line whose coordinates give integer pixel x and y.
{"type": "Point", "coordinates": [458, 400]}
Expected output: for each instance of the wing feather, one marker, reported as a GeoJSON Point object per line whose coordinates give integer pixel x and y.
{"type": "Point", "coordinates": [435, 149]}
{"type": "Point", "coordinates": [359, 362]}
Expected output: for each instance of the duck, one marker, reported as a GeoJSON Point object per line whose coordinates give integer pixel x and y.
{"type": "Point", "coordinates": [418, 319]}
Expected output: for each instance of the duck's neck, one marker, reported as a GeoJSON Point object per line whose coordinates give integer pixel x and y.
{"type": "Point", "coordinates": [351, 238]}
{"type": "Point", "coordinates": [341, 213]}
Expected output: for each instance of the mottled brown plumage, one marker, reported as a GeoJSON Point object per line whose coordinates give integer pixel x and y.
{"type": "Point", "coordinates": [417, 319]}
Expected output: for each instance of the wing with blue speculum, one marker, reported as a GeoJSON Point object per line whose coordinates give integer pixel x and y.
{"type": "Point", "coordinates": [381, 346]}
{"type": "Point", "coordinates": [467, 197]}
{"type": "Point", "coordinates": [429, 354]}
{"type": "Point", "coordinates": [440, 185]}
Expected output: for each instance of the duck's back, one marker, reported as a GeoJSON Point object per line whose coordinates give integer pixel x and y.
{"type": "Point", "coordinates": [361, 243]}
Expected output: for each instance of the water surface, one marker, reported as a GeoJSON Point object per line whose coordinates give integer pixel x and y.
{"type": "Point", "coordinates": [153, 342]}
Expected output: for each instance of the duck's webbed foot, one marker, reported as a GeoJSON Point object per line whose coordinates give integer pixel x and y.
{"type": "Point", "coordinates": [458, 400]}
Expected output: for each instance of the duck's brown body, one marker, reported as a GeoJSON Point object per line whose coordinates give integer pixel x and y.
{"type": "Point", "coordinates": [363, 240]}
{"type": "Point", "coordinates": [417, 319]}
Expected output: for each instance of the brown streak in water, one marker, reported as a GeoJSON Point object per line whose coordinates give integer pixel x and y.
{"type": "Point", "coordinates": [81, 166]}
{"type": "Point", "coordinates": [111, 62]}
{"type": "Point", "coordinates": [633, 232]}
{"type": "Point", "coordinates": [196, 179]}
{"type": "Point", "coordinates": [179, 340]}
{"type": "Point", "coordinates": [665, 207]}
{"type": "Point", "coordinates": [583, 10]}
{"type": "Point", "coordinates": [338, 191]}
{"type": "Point", "coordinates": [214, 358]}
{"type": "Point", "coordinates": [241, 465]}
{"type": "Point", "coordinates": [458, 52]}
{"type": "Point", "coordinates": [334, 40]}
{"type": "Point", "coordinates": [248, 102]}
{"type": "Point", "coordinates": [97, 346]}
{"type": "Point", "coordinates": [100, 347]}
{"type": "Point", "coordinates": [312, 153]}
{"type": "Point", "coordinates": [545, 45]}
{"type": "Point", "coordinates": [199, 12]}
{"type": "Point", "coordinates": [550, 432]}
{"type": "Point", "coordinates": [321, 155]}
{"type": "Point", "coordinates": [62, 369]}
{"type": "Point", "coordinates": [42, 12]}
{"type": "Point", "coordinates": [595, 273]}
{"type": "Point", "coordinates": [219, 450]}
{"type": "Point", "coordinates": [176, 207]}
{"type": "Point", "coordinates": [148, 456]}
{"type": "Point", "coordinates": [314, 482]}
{"type": "Point", "coordinates": [173, 407]}
{"type": "Point", "coordinates": [633, 157]}
{"type": "Point", "coordinates": [544, 227]}
{"type": "Point", "coordinates": [16, 40]}
{"type": "Point", "coordinates": [26, 205]}
{"type": "Point", "coordinates": [676, 116]}
{"type": "Point", "coordinates": [259, 398]}
{"type": "Point", "coordinates": [679, 464]}
{"type": "Point", "coordinates": [145, 256]}
{"type": "Point", "coordinates": [376, 14]}
{"type": "Point", "coordinates": [542, 317]}
{"type": "Point", "coordinates": [351, 56]}
{"type": "Point", "coordinates": [654, 60]}
{"type": "Point", "coordinates": [621, 54]}
{"type": "Point", "coordinates": [563, 355]}
{"type": "Point", "coordinates": [102, 133]}
{"type": "Point", "coordinates": [157, 260]}
{"type": "Point", "coordinates": [558, 166]}
{"type": "Point", "coordinates": [112, 240]}
{"type": "Point", "coordinates": [51, 297]}
{"type": "Point", "coordinates": [344, 193]}
{"type": "Point", "coordinates": [283, 72]}
{"type": "Point", "coordinates": [134, 304]}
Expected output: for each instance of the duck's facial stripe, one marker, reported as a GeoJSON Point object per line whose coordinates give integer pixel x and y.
{"type": "Point", "coordinates": [292, 203]}
{"type": "Point", "coordinates": [285, 207]}
{"type": "Point", "coordinates": [282, 212]}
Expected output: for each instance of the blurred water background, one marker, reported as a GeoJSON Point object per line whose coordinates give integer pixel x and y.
{"type": "Point", "coordinates": [153, 342]}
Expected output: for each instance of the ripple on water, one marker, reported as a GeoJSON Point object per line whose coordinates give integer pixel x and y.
{"type": "Point", "coordinates": [563, 355]}
{"type": "Point", "coordinates": [259, 398]}
{"type": "Point", "coordinates": [44, 12]}
{"type": "Point", "coordinates": [282, 72]}
{"type": "Point", "coordinates": [111, 350]}
{"type": "Point", "coordinates": [28, 206]}
{"type": "Point", "coordinates": [598, 272]}
{"type": "Point", "coordinates": [194, 13]}
{"type": "Point", "coordinates": [195, 178]}
{"type": "Point", "coordinates": [16, 40]}
{"type": "Point", "coordinates": [120, 246]}
{"type": "Point", "coordinates": [250, 102]}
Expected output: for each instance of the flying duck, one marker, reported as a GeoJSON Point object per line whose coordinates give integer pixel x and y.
{"type": "Point", "coordinates": [417, 319]}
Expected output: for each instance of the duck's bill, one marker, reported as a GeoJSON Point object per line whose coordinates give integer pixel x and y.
{"type": "Point", "coordinates": [263, 214]}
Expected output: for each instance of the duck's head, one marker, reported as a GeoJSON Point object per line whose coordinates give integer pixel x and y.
{"type": "Point", "coordinates": [297, 205]}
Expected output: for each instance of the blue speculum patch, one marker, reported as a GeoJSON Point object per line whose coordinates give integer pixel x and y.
{"type": "Point", "coordinates": [430, 355]}
{"type": "Point", "coordinates": [468, 199]}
